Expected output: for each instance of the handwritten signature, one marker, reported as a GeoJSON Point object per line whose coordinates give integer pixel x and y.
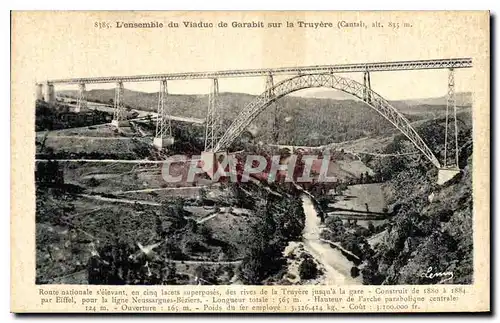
{"type": "Point", "coordinates": [448, 275]}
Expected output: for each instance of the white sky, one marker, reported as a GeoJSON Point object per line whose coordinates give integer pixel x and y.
{"type": "Point", "coordinates": [70, 46]}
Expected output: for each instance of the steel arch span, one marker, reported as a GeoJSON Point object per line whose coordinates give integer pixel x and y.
{"type": "Point", "coordinates": [375, 101]}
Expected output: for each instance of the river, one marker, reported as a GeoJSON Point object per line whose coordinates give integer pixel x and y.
{"type": "Point", "coordinates": [337, 267]}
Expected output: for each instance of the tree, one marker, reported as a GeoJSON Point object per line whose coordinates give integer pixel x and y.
{"type": "Point", "coordinates": [308, 269]}
{"type": "Point", "coordinates": [335, 229]}
{"type": "Point", "coordinates": [170, 272]}
{"type": "Point", "coordinates": [175, 214]}
{"type": "Point", "coordinates": [203, 194]}
{"type": "Point", "coordinates": [206, 232]}
{"type": "Point", "coordinates": [49, 172]}
{"type": "Point", "coordinates": [368, 178]}
{"type": "Point", "coordinates": [371, 275]}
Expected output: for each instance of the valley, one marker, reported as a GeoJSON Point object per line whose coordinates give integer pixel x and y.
{"type": "Point", "coordinates": [113, 199]}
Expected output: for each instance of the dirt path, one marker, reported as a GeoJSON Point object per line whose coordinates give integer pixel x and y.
{"type": "Point", "coordinates": [150, 203]}
{"type": "Point", "coordinates": [90, 138]}
{"type": "Point", "coordinates": [117, 161]}
{"type": "Point", "coordinates": [147, 190]}
{"type": "Point", "coordinates": [115, 200]}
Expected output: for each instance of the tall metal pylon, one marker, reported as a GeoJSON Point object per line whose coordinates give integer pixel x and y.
{"type": "Point", "coordinates": [270, 95]}
{"type": "Point", "coordinates": [451, 103]}
{"type": "Point", "coordinates": [81, 103]}
{"type": "Point", "coordinates": [163, 122]}
{"type": "Point", "coordinates": [119, 111]}
{"type": "Point", "coordinates": [367, 87]}
{"type": "Point", "coordinates": [213, 120]}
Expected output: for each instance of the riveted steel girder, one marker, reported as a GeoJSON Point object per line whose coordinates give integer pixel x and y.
{"type": "Point", "coordinates": [334, 68]}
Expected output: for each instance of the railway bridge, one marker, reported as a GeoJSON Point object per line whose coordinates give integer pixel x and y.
{"type": "Point", "coordinates": [217, 139]}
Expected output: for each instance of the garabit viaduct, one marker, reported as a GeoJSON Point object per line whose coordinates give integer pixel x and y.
{"type": "Point", "coordinates": [218, 139]}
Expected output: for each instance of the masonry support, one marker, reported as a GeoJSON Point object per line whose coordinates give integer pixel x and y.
{"type": "Point", "coordinates": [119, 119]}
{"type": "Point", "coordinates": [39, 91]}
{"type": "Point", "coordinates": [450, 166]}
{"type": "Point", "coordinates": [163, 137]}
{"type": "Point", "coordinates": [81, 104]}
{"type": "Point", "coordinates": [367, 87]}
{"type": "Point", "coordinates": [50, 94]}
{"type": "Point", "coordinates": [213, 120]}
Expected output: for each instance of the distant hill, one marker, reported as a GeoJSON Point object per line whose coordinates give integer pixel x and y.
{"type": "Point", "coordinates": [301, 120]}
{"type": "Point", "coordinates": [462, 98]}
{"type": "Point", "coordinates": [195, 105]}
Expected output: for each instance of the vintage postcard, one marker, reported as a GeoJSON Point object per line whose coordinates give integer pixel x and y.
{"type": "Point", "coordinates": [250, 161]}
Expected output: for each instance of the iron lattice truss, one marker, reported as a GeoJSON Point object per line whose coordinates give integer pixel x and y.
{"type": "Point", "coordinates": [81, 101]}
{"type": "Point", "coordinates": [338, 68]}
{"type": "Point", "coordinates": [119, 111]}
{"type": "Point", "coordinates": [213, 120]}
{"type": "Point", "coordinates": [163, 123]}
{"type": "Point", "coordinates": [378, 103]}
{"type": "Point", "coordinates": [367, 87]}
{"type": "Point", "coordinates": [451, 143]}
{"type": "Point", "coordinates": [276, 112]}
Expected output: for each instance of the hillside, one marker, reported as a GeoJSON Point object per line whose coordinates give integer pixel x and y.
{"type": "Point", "coordinates": [462, 98]}
{"type": "Point", "coordinates": [431, 225]}
{"type": "Point", "coordinates": [300, 120]}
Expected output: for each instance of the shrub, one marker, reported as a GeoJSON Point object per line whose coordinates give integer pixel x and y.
{"type": "Point", "coordinates": [308, 269]}
{"type": "Point", "coordinates": [354, 272]}
{"type": "Point", "coordinates": [371, 227]}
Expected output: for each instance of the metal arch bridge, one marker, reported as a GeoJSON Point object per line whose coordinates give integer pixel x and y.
{"type": "Point", "coordinates": [370, 97]}
{"type": "Point", "coordinates": [301, 77]}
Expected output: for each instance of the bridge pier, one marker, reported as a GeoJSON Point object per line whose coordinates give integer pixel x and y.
{"type": "Point", "coordinates": [163, 136]}
{"type": "Point", "coordinates": [446, 174]}
{"type": "Point", "coordinates": [50, 94]}
{"type": "Point", "coordinates": [451, 143]}
{"type": "Point", "coordinates": [213, 121]}
{"type": "Point", "coordinates": [81, 104]}
{"type": "Point", "coordinates": [119, 119]}
{"type": "Point", "coordinates": [270, 95]}
{"type": "Point", "coordinates": [367, 89]}
{"type": "Point", "coordinates": [450, 168]}
{"type": "Point", "coordinates": [162, 143]}
{"type": "Point", "coordinates": [207, 159]}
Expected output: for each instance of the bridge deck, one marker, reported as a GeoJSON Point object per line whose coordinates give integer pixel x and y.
{"type": "Point", "coordinates": [338, 68]}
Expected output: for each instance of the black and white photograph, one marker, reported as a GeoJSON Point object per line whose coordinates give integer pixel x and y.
{"type": "Point", "coordinates": [250, 161]}
{"type": "Point", "coordinates": [351, 173]}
